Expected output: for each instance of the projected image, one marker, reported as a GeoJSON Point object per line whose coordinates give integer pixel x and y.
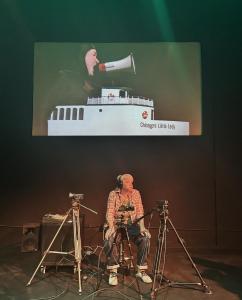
{"type": "Point", "coordinates": [102, 89]}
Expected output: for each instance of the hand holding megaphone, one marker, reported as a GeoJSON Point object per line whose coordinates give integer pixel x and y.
{"type": "Point", "coordinates": [126, 64]}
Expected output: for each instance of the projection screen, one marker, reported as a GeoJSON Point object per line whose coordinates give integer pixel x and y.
{"type": "Point", "coordinates": [117, 89]}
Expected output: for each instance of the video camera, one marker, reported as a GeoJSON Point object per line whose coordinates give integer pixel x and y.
{"type": "Point", "coordinates": [76, 199]}
{"type": "Point", "coordinates": [126, 208]}
{"type": "Point", "coordinates": [162, 204]}
{"type": "Point", "coordinates": [76, 196]}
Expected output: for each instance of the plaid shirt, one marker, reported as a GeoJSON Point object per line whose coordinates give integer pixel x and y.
{"type": "Point", "coordinates": [115, 200]}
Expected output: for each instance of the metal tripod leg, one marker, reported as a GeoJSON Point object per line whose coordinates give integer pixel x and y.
{"type": "Point", "coordinates": [77, 244]}
{"type": "Point", "coordinates": [202, 283]}
{"type": "Point", "coordinates": [48, 249]}
{"type": "Point", "coordinates": [160, 252]}
{"type": "Point", "coordinates": [132, 259]}
{"type": "Point", "coordinates": [118, 232]}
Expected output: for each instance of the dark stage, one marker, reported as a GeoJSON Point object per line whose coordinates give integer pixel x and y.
{"type": "Point", "coordinates": [199, 175]}
{"type": "Point", "coordinates": [222, 272]}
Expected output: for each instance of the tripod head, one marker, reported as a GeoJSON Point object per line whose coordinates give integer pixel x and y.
{"type": "Point", "coordinates": [162, 207]}
{"type": "Point", "coordinates": [162, 204]}
{"type": "Point", "coordinates": [75, 200]}
{"type": "Point", "coordinates": [76, 196]}
{"type": "Point", "coordinates": [75, 204]}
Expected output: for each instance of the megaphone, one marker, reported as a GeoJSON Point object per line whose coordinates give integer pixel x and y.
{"type": "Point", "coordinates": [126, 63]}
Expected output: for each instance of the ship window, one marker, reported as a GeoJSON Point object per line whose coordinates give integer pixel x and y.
{"type": "Point", "coordinates": [74, 114]}
{"type": "Point", "coordinates": [100, 110]}
{"type": "Point", "coordinates": [152, 114]}
{"type": "Point", "coordinates": [55, 114]}
{"type": "Point", "coordinates": [122, 94]}
{"type": "Point", "coordinates": [68, 114]}
{"type": "Point", "coordinates": [61, 116]}
{"type": "Point", "coordinates": [81, 113]}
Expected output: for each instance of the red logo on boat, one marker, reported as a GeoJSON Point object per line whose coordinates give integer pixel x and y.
{"type": "Point", "coordinates": [145, 114]}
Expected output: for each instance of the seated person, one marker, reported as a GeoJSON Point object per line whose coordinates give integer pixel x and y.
{"type": "Point", "coordinates": [126, 196]}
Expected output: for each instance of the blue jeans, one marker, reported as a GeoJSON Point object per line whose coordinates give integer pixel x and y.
{"type": "Point", "coordinates": [142, 243]}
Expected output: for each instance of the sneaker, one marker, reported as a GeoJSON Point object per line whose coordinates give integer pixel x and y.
{"type": "Point", "coordinates": [144, 277]}
{"type": "Point", "coordinates": [113, 278]}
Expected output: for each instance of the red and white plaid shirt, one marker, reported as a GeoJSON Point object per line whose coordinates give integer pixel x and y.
{"type": "Point", "coordinates": [115, 200]}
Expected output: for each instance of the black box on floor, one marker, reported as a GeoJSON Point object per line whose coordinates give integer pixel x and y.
{"type": "Point", "coordinates": [30, 237]}
{"type": "Point", "coordinates": [64, 241]}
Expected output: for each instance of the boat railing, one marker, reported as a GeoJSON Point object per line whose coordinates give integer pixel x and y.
{"type": "Point", "coordinates": [120, 100]}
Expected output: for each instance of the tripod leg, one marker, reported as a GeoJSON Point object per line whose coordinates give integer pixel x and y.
{"type": "Point", "coordinates": [132, 260]}
{"type": "Point", "coordinates": [158, 255]}
{"type": "Point", "coordinates": [77, 244]}
{"type": "Point", "coordinates": [204, 285]}
{"type": "Point", "coordinates": [48, 249]}
{"type": "Point", "coordinates": [98, 268]}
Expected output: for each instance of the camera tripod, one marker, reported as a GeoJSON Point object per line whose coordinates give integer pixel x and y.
{"type": "Point", "coordinates": [161, 255]}
{"type": "Point", "coordinates": [75, 212]}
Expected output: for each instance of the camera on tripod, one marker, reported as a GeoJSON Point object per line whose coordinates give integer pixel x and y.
{"type": "Point", "coordinates": [76, 199]}
{"type": "Point", "coordinates": [76, 196]}
{"type": "Point", "coordinates": [162, 204]}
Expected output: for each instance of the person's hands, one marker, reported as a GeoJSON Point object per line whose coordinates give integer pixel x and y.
{"type": "Point", "coordinates": [145, 232]}
{"type": "Point", "coordinates": [91, 60]}
{"type": "Point", "coordinates": [109, 232]}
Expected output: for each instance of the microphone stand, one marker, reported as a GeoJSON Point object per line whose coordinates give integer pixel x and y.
{"type": "Point", "coordinates": [75, 209]}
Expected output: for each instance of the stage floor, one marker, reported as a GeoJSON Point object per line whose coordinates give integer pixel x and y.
{"type": "Point", "coordinates": [222, 272]}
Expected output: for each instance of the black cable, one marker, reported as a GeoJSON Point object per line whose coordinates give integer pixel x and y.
{"type": "Point", "coordinates": [52, 297]}
{"type": "Point", "coordinates": [11, 226]}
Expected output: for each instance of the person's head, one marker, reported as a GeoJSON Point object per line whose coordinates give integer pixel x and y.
{"type": "Point", "coordinates": [91, 60]}
{"type": "Point", "coordinates": [125, 182]}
